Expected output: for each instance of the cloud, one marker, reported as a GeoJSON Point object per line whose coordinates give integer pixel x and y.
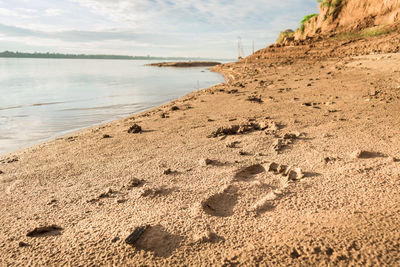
{"type": "Point", "coordinates": [193, 27]}
{"type": "Point", "coordinates": [203, 15]}
{"type": "Point", "coordinates": [52, 12]}
{"type": "Point", "coordinates": [13, 13]}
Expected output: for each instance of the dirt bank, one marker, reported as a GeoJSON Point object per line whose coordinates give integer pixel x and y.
{"type": "Point", "coordinates": [368, 17]}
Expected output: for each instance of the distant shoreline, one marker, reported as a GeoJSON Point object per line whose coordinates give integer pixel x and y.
{"type": "Point", "coordinates": [9, 54]}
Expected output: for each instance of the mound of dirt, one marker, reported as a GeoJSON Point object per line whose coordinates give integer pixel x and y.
{"type": "Point", "coordinates": [366, 17]}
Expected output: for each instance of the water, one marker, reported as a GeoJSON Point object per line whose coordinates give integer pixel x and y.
{"type": "Point", "coordinates": [43, 98]}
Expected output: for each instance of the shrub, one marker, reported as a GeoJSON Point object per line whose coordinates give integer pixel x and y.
{"type": "Point", "coordinates": [305, 20]}
{"type": "Point", "coordinates": [334, 6]}
{"type": "Point", "coordinates": [284, 34]}
{"type": "Point", "coordinates": [377, 30]}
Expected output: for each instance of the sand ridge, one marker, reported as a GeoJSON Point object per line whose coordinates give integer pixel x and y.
{"type": "Point", "coordinates": [290, 162]}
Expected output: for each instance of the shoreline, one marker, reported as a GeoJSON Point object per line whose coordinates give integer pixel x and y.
{"type": "Point", "coordinates": [71, 132]}
{"type": "Point", "coordinates": [282, 164]}
{"type": "Point", "coordinates": [64, 130]}
{"type": "Point", "coordinates": [185, 64]}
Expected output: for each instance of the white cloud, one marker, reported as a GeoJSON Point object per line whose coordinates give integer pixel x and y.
{"type": "Point", "coordinates": [193, 27]}
{"type": "Point", "coordinates": [216, 13]}
{"type": "Point", "coordinates": [27, 10]}
{"type": "Point", "coordinates": [13, 13]}
{"type": "Point", "coordinates": [52, 12]}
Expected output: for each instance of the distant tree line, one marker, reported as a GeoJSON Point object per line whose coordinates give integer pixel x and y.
{"type": "Point", "coordinates": [9, 54]}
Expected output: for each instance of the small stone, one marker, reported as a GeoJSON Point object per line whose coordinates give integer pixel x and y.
{"type": "Point", "coordinates": [329, 251]}
{"type": "Point", "coordinates": [1, 172]}
{"type": "Point", "coordinates": [295, 174]}
{"type": "Point", "coordinates": [174, 108]}
{"type": "Point", "coordinates": [290, 136]}
{"type": "Point", "coordinates": [232, 144]}
{"type": "Point", "coordinates": [134, 182]}
{"type": "Point", "coordinates": [205, 162]}
{"type": "Point", "coordinates": [106, 194]}
{"type": "Point", "coordinates": [147, 192]}
{"type": "Point", "coordinates": [317, 250]}
{"type": "Point", "coordinates": [52, 201]}
{"type": "Point", "coordinates": [106, 136]}
{"type": "Point", "coordinates": [135, 128]}
{"type": "Point", "coordinates": [115, 239]}
{"type": "Point", "coordinates": [356, 154]}
{"type": "Point", "coordinates": [294, 254]}
{"type": "Point", "coordinates": [22, 244]}
{"type": "Point", "coordinates": [167, 171]}
{"type": "Point", "coordinates": [263, 125]}
{"type": "Point", "coordinates": [329, 159]}
{"type": "Point", "coordinates": [273, 167]}
{"type": "Point", "coordinates": [282, 169]}
{"type": "Point", "coordinates": [254, 98]}
{"type": "Point", "coordinates": [132, 238]}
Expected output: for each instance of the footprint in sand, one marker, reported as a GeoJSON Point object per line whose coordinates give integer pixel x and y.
{"type": "Point", "coordinates": [266, 183]}
{"type": "Point", "coordinates": [158, 240]}
{"type": "Point", "coordinates": [221, 204]}
{"type": "Point", "coordinates": [248, 173]}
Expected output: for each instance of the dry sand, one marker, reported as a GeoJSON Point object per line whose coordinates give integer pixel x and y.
{"type": "Point", "coordinates": [210, 174]}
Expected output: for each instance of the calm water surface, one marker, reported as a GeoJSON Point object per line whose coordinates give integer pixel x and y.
{"type": "Point", "coordinates": [43, 98]}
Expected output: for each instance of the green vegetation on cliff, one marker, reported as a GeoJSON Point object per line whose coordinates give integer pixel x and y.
{"type": "Point", "coordinates": [283, 35]}
{"type": "Point", "coordinates": [334, 6]}
{"type": "Point", "coordinates": [305, 20]}
{"type": "Point", "coordinates": [369, 32]}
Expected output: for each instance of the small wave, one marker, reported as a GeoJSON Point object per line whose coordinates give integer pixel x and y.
{"type": "Point", "coordinates": [46, 104]}
{"type": "Point", "coordinates": [107, 107]}
{"type": "Point", "coordinates": [32, 105]}
{"type": "Point", "coordinates": [13, 107]}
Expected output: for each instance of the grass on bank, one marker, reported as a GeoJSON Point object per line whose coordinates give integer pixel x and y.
{"type": "Point", "coordinates": [284, 34]}
{"type": "Point", "coordinates": [305, 20]}
{"type": "Point", "coordinates": [334, 6]}
{"type": "Point", "coordinates": [369, 32]}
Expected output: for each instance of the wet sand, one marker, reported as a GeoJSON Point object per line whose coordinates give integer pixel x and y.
{"type": "Point", "coordinates": [187, 64]}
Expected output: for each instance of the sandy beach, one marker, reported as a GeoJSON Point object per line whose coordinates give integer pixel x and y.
{"type": "Point", "coordinates": [293, 161]}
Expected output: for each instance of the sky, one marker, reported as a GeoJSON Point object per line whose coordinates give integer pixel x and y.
{"type": "Point", "coordinates": [188, 28]}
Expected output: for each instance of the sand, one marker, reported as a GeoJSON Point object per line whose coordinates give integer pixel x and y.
{"type": "Point", "coordinates": [287, 163]}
